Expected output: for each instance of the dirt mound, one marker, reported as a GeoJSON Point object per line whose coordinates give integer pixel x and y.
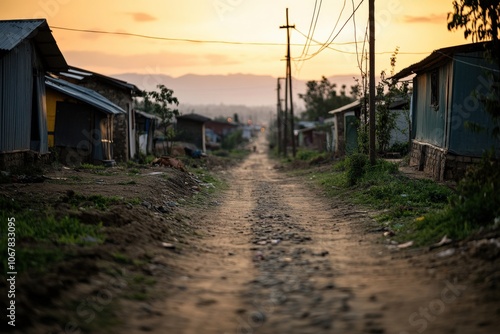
{"type": "Point", "coordinates": [137, 209]}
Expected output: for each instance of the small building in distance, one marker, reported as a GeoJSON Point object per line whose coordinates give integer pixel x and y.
{"type": "Point", "coordinates": [191, 129]}
{"type": "Point", "coordinates": [343, 138]}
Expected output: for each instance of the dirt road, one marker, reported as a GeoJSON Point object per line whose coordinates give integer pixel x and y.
{"type": "Point", "coordinates": [276, 257]}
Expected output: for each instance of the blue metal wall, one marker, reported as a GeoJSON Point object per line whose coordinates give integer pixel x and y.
{"type": "Point", "coordinates": [429, 121]}
{"type": "Point", "coordinates": [470, 81]}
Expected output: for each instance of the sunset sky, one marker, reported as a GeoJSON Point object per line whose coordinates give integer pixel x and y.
{"type": "Point", "coordinates": [417, 27]}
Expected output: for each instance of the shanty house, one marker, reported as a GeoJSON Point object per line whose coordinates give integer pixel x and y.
{"type": "Point", "coordinates": [344, 135]}
{"type": "Point", "coordinates": [216, 131]}
{"type": "Point", "coordinates": [80, 123]}
{"type": "Point", "coordinates": [146, 125]}
{"type": "Point", "coordinates": [222, 129]}
{"type": "Point", "coordinates": [191, 129]}
{"type": "Point", "coordinates": [125, 135]}
{"type": "Point", "coordinates": [27, 50]}
{"type": "Point", "coordinates": [401, 133]}
{"type": "Point", "coordinates": [445, 102]}
{"type": "Point", "coordinates": [314, 137]}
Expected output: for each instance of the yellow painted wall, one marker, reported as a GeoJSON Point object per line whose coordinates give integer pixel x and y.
{"type": "Point", "coordinates": [52, 98]}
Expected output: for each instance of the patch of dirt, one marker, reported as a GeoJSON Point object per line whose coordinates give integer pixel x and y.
{"type": "Point", "coordinates": [270, 254]}
{"type": "Point", "coordinates": [147, 210]}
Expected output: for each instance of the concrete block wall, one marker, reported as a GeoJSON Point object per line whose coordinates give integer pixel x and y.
{"type": "Point", "coordinates": [441, 165]}
{"type": "Point", "coordinates": [10, 161]}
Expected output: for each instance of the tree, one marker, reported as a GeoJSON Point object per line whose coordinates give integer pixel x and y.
{"type": "Point", "coordinates": [322, 97]}
{"type": "Point", "coordinates": [161, 103]}
{"type": "Point", "coordinates": [480, 20]}
{"type": "Point", "coordinates": [388, 90]}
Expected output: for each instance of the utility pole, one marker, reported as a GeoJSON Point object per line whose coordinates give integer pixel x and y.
{"type": "Point", "coordinates": [279, 120]}
{"type": "Point", "coordinates": [285, 120]}
{"type": "Point", "coordinates": [292, 120]}
{"type": "Point", "coordinates": [288, 88]}
{"type": "Point", "coordinates": [371, 18]}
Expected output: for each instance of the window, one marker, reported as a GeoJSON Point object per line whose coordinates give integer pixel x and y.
{"type": "Point", "coordinates": [435, 89]}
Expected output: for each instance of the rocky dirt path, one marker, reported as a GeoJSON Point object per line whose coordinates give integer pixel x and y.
{"type": "Point", "coordinates": [276, 257]}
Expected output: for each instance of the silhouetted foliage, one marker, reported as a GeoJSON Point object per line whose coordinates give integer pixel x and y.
{"type": "Point", "coordinates": [322, 97]}
{"type": "Point", "coordinates": [161, 103]}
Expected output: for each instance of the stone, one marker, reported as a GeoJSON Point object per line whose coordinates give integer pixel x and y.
{"type": "Point", "coordinates": [446, 253]}
{"type": "Point", "coordinates": [163, 209]}
{"type": "Point", "coordinates": [90, 239]}
{"type": "Point", "coordinates": [168, 245]}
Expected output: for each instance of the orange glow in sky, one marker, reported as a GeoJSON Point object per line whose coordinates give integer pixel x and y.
{"type": "Point", "coordinates": [417, 27]}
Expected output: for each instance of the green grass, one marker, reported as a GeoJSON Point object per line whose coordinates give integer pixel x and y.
{"type": "Point", "coordinates": [238, 153]}
{"type": "Point", "coordinates": [312, 155]}
{"type": "Point", "coordinates": [208, 178]}
{"type": "Point", "coordinates": [127, 183]}
{"type": "Point", "coordinates": [91, 167]}
{"type": "Point", "coordinates": [41, 238]}
{"type": "Point", "coordinates": [232, 154]}
{"type": "Point", "coordinates": [134, 171]}
{"type": "Point", "coordinates": [143, 280]}
{"type": "Point", "coordinates": [98, 201]}
{"type": "Point", "coordinates": [121, 258]}
{"type": "Point", "coordinates": [400, 201]}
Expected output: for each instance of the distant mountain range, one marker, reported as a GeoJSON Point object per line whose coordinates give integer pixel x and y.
{"type": "Point", "coordinates": [251, 96]}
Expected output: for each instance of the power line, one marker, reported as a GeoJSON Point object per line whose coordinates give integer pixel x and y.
{"type": "Point", "coordinates": [468, 63]}
{"type": "Point", "coordinates": [363, 50]}
{"type": "Point", "coordinates": [353, 52]}
{"type": "Point", "coordinates": [355, 38]}
{"type": "Point", "coordinates": [327, 44]}
{"type": "Point", "coordinates": [187, 40]}
{"type": "Point", "coordinates": [171, 39]}
{"type": "Point", "coordinates": [335, 26]}
{"type": "Point", "coordinates": [310, 33]}
{"type": "Point", "coordinates": [323, 44]}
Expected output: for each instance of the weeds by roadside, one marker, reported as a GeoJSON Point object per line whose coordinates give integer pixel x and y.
{"type": "Point", "coordinates": [475, 206]}
{"type": "Point", "coordinates": [417, 209]}
{"type": "Point", "coordinates": [41, 237]}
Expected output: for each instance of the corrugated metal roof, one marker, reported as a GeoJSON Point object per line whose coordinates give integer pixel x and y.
{"type": "Point", "coordinates": [348, 107]}
{"type": "Point", "coordinates": [81, 74]}
{"type": "Point", "coordinates": [194, 117]}
{"type": "Point", "coordinates": [13, 32]}
{"type": "Point", "coordinates": [148, 116]}
{"type": "Point", "coordinates": [439, 57]}
{"type": "Point", "coordinates": [85, 95]}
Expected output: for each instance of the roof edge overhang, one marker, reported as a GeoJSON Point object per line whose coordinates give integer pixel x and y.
{"type": "Point", "coordinates": [440, 57]}
{"type": "Point", "coordinates": [84, 95]}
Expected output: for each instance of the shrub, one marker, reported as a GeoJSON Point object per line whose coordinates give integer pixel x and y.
{"type": "Point", "coordinates": [475, 205]}
{"type": "Point", "coordinates": [478, 199]}
{"type": "Point", "coordinates": [401, 148]}
{"type": "Point", "coordinates": [233, 140]}
{"type": "Point", "coordinates": [306, 155]}
{"type": "Point", "coordinates": [356, 167]}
